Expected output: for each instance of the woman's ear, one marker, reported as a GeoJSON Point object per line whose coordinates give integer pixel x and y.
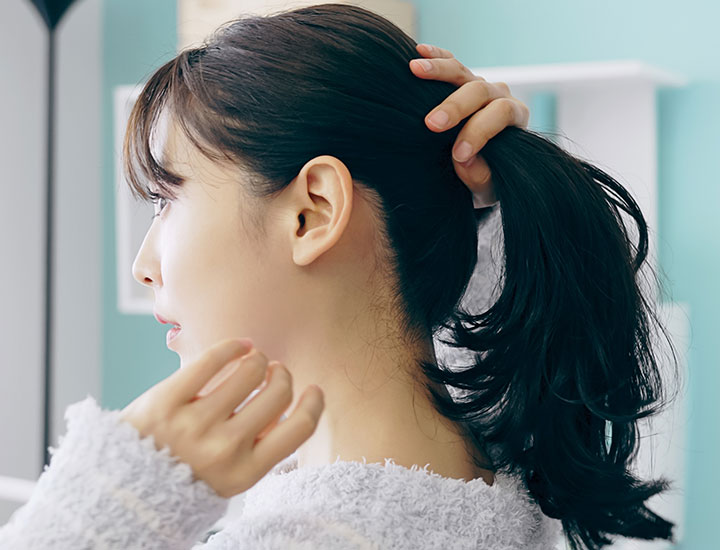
{"type": "Point", "coordinates": [322, 196]}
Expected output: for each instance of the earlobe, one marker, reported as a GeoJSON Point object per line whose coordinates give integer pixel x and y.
{"type": "Point", "coordinates": [325, 190]}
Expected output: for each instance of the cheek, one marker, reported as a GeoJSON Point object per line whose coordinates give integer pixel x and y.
{"type": "Point", "coordinates": [223, 287]}
{"type": "Point", "coordinates": [215, 292]}
{"type": "Point", "coordinates": [250, 299]}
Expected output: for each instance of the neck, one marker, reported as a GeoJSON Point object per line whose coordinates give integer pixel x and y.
{"type": "Point", "coordinates": [376, 405]}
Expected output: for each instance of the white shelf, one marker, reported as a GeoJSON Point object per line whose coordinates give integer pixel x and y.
{"type": "Point", "coordinates": [14, 489]}
{"type": "Point", "coordinates": [562, 76]}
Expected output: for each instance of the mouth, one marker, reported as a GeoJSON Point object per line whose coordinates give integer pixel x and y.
{"type": "Point", "coordinates": [164, 321]}
{"type": "Point", "coordinates": [173, 332]}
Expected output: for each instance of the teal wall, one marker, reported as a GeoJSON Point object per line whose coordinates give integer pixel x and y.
{"type": "Point", "coordinates": [680, 37]}
{"type": "Point", "coordinates": [138, 36]}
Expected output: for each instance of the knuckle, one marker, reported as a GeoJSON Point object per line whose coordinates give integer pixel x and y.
{"type": "Point", "coordinates": [475, 132]}
{"type": "Point", "coordinates": [160, 414]}
{"type": "Point", "coordinates": [452, 109]}
{"type": "Point", "coordinates": [217, 449]}
{"type": "Point", "coordinates": [504, 88]}
{"type": "Point", "coordinates": [525, 112]}
{"type": "Point", "coordinates": [186, 426]}
{"type": "Point", "coordinates": [444, 52]}
{"type": "Point", "coordinates": [507, 107]}
{"type": "Point", "coordinates": [462, 69]}
{"type": "Point", "coordinates": [480, 87]}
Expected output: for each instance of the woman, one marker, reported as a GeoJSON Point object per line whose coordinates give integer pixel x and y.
{"type": "Point", "coordinates": [301, 202]}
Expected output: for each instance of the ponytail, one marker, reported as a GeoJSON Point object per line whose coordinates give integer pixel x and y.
{"type": "Point", "coordinates": [566, 348]}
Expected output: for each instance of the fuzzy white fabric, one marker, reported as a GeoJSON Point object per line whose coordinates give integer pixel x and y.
{"type": "Point", "coordinates": [360, 506]}
{"type": "Point", "coordinates": [106, 488]}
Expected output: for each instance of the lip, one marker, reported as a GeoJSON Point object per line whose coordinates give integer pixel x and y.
{"type": "Point", "coordinates": [164, 321]}
{"type": "Point", "coordinates": [173, 332]}
{"type": "Point", "coordinates": [171, 335]}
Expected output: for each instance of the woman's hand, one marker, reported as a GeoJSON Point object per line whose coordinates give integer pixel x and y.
{"type": "Point", "coordinates": [230, 451]}
{"type": "Point", "coordinates": [493, 106]}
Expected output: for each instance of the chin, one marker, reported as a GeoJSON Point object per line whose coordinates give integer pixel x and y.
{"type": "Point", "coordinates": [183, 360]}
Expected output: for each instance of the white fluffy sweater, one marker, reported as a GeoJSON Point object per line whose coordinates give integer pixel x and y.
{"type": "Point", "coordinates": [106, 488]}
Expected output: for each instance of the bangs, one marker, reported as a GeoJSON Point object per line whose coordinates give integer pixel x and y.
{"type": "Point", "coordinates": [166, 98]}
{"type": "Point", "coordinates": [141, 161]}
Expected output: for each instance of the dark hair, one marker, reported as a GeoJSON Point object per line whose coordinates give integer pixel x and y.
{"type": "Point", "coordinates": [565, 351]}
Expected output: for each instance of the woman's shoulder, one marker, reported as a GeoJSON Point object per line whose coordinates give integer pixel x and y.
{"type": "Point", "coordinates": [374, 505]}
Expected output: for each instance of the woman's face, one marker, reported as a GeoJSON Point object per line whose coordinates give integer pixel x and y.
{"type": "Point", "coordinates": [210, 271]}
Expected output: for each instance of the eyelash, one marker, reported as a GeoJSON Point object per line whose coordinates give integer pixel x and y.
{"type": "Point", "coordinates": [155, 198]}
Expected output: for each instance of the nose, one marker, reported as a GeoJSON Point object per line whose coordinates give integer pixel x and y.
{"type": "Point", "coordinates": [146, 266]}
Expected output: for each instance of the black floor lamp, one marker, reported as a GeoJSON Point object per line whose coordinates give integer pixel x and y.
{"type": "Point", "coordinates": [51, 12]}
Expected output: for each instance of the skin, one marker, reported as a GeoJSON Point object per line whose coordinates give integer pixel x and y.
{"type": "Point", "coordinates": [304, 288]}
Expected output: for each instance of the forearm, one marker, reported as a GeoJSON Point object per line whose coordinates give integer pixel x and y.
{"type": "Point", "coordinates": [107, 488]}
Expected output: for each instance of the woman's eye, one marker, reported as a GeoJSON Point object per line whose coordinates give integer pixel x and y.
{"type": "Point", "coordinates": [159, 203]}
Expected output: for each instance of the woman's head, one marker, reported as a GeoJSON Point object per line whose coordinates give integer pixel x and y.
{"type": "Point", "coordinates": [319, 96]}
{"type": "Point", "coordinates": [310, 178]}
{"type": "Point", "coordinates": [222, 262]}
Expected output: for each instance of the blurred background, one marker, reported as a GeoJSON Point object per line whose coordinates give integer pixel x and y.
{"type": "Point", "coordinates": [632, 85]}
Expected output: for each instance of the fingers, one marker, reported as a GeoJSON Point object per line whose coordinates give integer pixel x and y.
{"type": "Point", "coordinates": [288, 435]}
{"type": "Point", "coordinates": [477, 131]}
{"type": "Point", "coordinates": [249, 372]}
{"type": "Point", "coordinates": [447, 70]}
{"type": "Point", "coordinates": [428, 50]}
{"type": "Point", "coordinates": [187, 382]}
{"type": "Point", "coordinates": [484, 125]}
{"type": "Point", "coordinates": [462, 103]}
{"type": "Point", "coordinates": [474, 92]}
{"type": "Point", "coordinates": [272, 365]}
{"type": "Point", "coordinates": [266, 407]}
{"type": "Point", "coordinates": [490, 106]}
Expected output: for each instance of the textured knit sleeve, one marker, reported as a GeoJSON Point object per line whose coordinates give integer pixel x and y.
{"type": "Point", "coordinates": [106, 488]}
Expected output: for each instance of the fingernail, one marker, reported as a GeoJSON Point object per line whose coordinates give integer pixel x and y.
{"type": "Point", "coordinates": [439, 119]}
{"type": "Point", "coordinates": [462, 152]}
{"type": "Point", "coordinates": [245, 342]}
{"type": "Point", "coordinates": [425, 64]}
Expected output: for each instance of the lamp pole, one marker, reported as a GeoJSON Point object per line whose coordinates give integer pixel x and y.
{"type": "Point", "coordinates": [51, 12]}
